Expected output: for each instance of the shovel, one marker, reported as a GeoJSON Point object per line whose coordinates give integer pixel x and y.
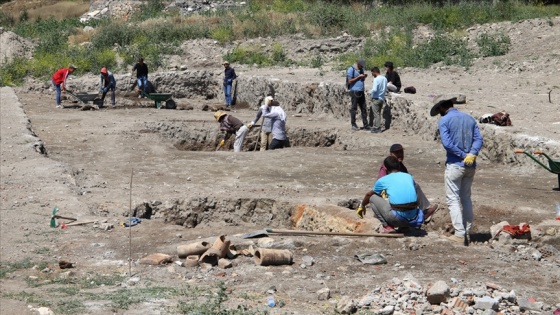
{"type": "Point", "coordinates": [266, 232]}
{"type": "Point", "coordinates": [55, 216]}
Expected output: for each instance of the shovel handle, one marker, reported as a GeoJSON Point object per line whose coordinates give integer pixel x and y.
{"type": "Point", "coordinates": [65, 218]}
{"type": "Point", "coordinates": [538, 152]}
{"type": "Point", "coordinates": [519, 151]}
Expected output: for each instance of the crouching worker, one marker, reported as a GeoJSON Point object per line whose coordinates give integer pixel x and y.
{"type": "Point", "coordinates": [108, 82]}
{"type": "Point", "coordinates": [231, 125]}
{"type": "Point", "coordinates": [393, 199]}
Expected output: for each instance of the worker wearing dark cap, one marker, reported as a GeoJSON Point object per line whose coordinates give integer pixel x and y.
{"type": "Point", "coordinates": [393, 78]}
{"type": "Point", "coordinates": [397, 151]}
{"type": "Point", "coordinates": [355, 78]}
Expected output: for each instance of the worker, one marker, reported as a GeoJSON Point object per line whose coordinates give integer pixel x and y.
{"type": "Point", "coordinates": [400, 207]}
{"type": "Point", "coordinates": [462, 140]}
{"type": "Point", "coordinates": [231, 125]}
{"type": "Point", "coordinates": [59, 82]}
{"type": "Point", "coordinates": [278, 117]}
{"type": "Point", "coordinates": [397, 151]}
{"type": "Point", "coordinates": [266, 127]}
{"type": "Point", "coordinates": [108, 82]}
{"type": "Point", "coordinates": [141, 76]}
{"type": "Point", "coordinates": [229, 76]}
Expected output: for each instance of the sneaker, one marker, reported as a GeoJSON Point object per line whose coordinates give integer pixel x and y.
{"type": "Point", "coordinates": [355, 128]}
{"type": "Point", "coordinates": [387, 230]}
{"type": "Point", "coordinates": [375, 130]}
{"type": "Point", "coordinates": [429, 212]}
{"type": "Point", "coordinates": [367, 128]}
{"type": "Point", "coordinates": [58, 106]}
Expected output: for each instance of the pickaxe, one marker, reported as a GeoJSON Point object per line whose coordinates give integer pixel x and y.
{"type": "Point", "coordinates": [55, 216]}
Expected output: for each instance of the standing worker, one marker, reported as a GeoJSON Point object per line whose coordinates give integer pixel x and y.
{"type": "Point", "coordinates": [378, 98]}
{"type": "Point", "coordinates": [231, 125]}
{"type": "Point", "coordinates": [229, 76]}
{"type": "Point", "coordinates": [108, 82]}
{"type": "Point", "coordinates": [393, 78]}
{"type": "Point", "coordinates": [355, 78]}
{"type": "Point", "coordinates": [141, 76]}
{"type": "Point", "coordinates": [462, 140]}
{"type": "Point", "coordinates": [59, 82]}
{"type": "Point", "coordinates": [278, 117]}
{"type": "Point", "coordinates": [266, 127]}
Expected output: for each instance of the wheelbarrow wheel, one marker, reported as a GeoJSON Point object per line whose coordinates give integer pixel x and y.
{"type": "Point", "coordinates": [170, 104]}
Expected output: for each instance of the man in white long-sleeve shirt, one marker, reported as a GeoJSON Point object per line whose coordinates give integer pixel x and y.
{"type": "Point", "coordinates": [378, 98]}
{"type": "Point", "coordinates": [278, 117]}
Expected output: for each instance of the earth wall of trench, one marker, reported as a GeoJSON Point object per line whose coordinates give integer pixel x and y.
{"type": "Point", "coordinates": [326, 99]}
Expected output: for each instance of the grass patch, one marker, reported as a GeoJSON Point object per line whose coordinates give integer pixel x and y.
{"type": "Point", "coordinates": [28, 298]}
{"type": "Point", "coordinates": [493, 44]}
{"type": "Point", "coordinates": [9, 267]}
{"type": "Point", "coordinates": [254, 55]}
{"type": "Point", "coordinates": [214, 304]}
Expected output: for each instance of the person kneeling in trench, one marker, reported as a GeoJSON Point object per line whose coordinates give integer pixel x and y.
{"type": "Point", "coordinates": [393, 200]}
{"type": "Point", "coordinates": [231, 125]}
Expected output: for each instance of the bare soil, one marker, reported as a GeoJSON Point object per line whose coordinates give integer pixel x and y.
{"type": "Point", "coordinates": [91, 155]}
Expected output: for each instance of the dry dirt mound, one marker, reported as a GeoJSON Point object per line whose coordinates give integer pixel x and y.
{"type": "Point", "coordinates": [12, 45]}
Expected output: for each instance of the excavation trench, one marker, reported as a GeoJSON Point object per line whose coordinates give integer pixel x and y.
{"type": "Point", "coordinates": [260, 212]}
{"type": "Point", "coordinates": [188, 138]}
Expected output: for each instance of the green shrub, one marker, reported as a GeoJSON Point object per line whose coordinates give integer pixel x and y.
{"type": "Point", "coordinates": [222, 34]}
{"type": "Point", "coordinates": [329, 16]}
{"type": "Point", "coordinates": [493, 44]}
{"type": "Point", "coordinates": [441, 48]}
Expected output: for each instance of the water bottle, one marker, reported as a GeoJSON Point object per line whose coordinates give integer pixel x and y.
{"type": "Point", "coordinates": [558, 211]}
{"type": "Point", "coordinates": [270, 301]}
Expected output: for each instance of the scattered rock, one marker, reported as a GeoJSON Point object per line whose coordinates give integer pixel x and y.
{"type": "Point", "coordinates": [308, 260]}
{"type": "Point", "coordinates": [486, 303]}
{"type": "Point", "coordinates": [346, 306]}
{"type": "Point", "coordinates": [438, 292]}
{"type": "Point", "coordinates": [324, 294]}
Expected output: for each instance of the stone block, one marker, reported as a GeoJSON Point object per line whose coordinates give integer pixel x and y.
{"type": "Point", "coordinates": [438, 293]}
{"type": "Point", "coordinates": [486, 303]}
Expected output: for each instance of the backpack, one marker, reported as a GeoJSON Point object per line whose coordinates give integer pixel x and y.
{"type": "Point", "coordinates": [353, 76]}
{"type": "Point", "coordinates": [501, 119]}
{"type": "Point", "coordinates": [410, 89]}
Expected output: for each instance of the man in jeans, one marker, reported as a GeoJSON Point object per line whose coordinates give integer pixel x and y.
{"type": "Point", "coordinates": [462, 140]}
{"type": "Point", "coordinates": [378, 97]}
{"type": "Point", "coordinates": [229, 76]}
{"type": "Point", "coordinates": [356, 77]}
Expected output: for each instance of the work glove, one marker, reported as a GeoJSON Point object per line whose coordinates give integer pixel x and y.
{"type": "Point", "coordinates": [469, 159]}
{"type": "Point", "coordinates": [250, 125]}
{"type": "Point", "coordinates": [222, 142]}
{"type": "Point", "coordinates": [100, 90]}
{"type": "Point", "coordinates": [360, 212]}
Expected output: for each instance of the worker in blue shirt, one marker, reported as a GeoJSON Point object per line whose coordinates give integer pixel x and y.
{"type": "Point", "coordinates": [355, 78]}
{"type": "Point", "coordinates": [462, 140]}
{"type": "Point", "coordinates": [393, 199]}
{"type": "Point", "coordinates": [378, 99]}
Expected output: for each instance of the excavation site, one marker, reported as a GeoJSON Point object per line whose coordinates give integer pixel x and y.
{"type": "Point", "coordinates": [135, 209]}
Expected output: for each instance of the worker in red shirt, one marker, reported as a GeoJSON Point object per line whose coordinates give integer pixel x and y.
{"type": "Point", "coordinates": [59, 82]}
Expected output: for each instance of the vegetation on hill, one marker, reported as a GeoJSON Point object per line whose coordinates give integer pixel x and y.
{"type": "Point", "coordinates": [153, 33]}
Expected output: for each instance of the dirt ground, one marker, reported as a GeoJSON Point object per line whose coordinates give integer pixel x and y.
{"type": "Point", "coordinates": [91, 155]}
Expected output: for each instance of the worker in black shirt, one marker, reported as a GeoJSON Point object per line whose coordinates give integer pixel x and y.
{"type": "Point", "coordinates": [142, 76]}
{"type": "Point", "coordinates": [393, 79]}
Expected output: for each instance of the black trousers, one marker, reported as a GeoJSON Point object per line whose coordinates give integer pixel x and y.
{"type": "Point", "coordinates": [277, 144]}
{"type": "Point", "coordinates": [358, 100]}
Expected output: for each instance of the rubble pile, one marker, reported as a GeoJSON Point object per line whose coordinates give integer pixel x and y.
{"type": "Point", "coordinates": [192, 6]}
{"type": "Point", "coordinates": [408, 296]}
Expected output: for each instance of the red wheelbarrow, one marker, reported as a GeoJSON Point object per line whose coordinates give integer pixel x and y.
{"type": "Point", "coordinates": [553, 165]}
